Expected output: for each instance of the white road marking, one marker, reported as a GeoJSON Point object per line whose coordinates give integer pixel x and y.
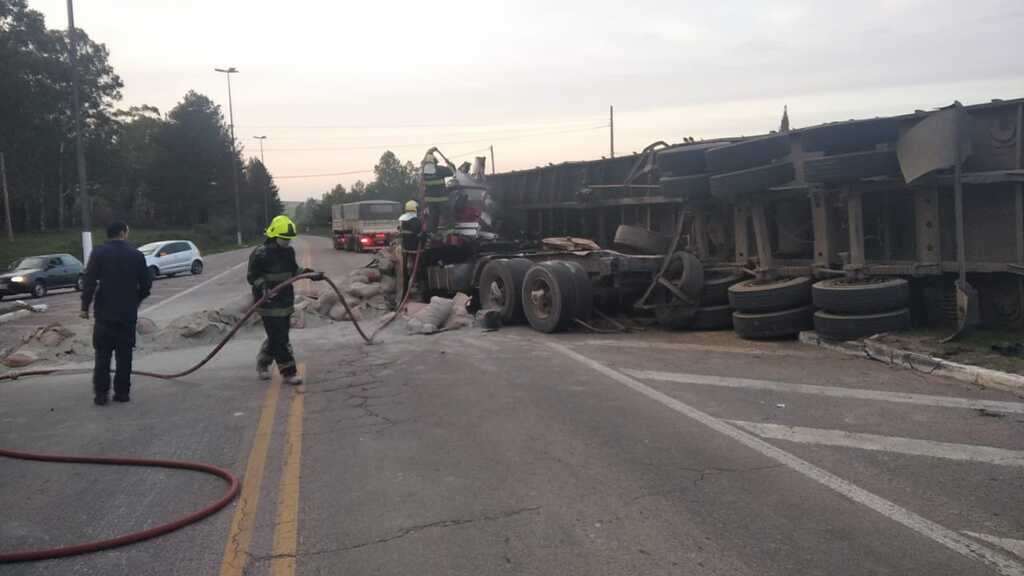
{"type": "Point", "coordinates": [913, 446]}
{"type": "Point", "coordinates": [834, 391]}
{"type": "Point", "coordinates": [684, 347]}
{"type": "Point", "coordinates": [192, 289]}
{"type": "Point", "coordinates": [1015, 546]}
{"type": "Point", "coordinates": [951, 539]}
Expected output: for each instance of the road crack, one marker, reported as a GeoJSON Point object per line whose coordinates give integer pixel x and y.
{"type": "Point", "coordinates": [409, 531]}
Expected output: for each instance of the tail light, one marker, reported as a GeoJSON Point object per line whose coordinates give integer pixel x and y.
{"type": "Point", "coordinates": [365, 240]}
{"type": "Point", "coordinates": [381, 235]}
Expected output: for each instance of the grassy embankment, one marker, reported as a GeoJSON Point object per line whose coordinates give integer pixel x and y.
{"type": "Point", "coordinates": [70, 242]}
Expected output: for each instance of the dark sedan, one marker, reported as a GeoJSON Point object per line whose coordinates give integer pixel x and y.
{"type": "Point", "coordinates": [36, 275]}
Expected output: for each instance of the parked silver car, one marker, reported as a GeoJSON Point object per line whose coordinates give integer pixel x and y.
{"type": "Point", "coordinates": [171, 257]}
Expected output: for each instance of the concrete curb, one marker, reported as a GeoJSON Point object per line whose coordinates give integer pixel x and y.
{"type": "Point", "coordinates": [874, 350]}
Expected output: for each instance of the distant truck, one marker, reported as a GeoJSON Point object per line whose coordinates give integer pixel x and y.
{"type": "Point", "coordinates": [366, 225]}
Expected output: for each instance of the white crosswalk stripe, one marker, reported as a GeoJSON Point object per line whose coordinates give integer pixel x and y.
{"type": "Point", "coordinates": [833, 391]}
{"type": "Point", "coordinates": [876, 442]}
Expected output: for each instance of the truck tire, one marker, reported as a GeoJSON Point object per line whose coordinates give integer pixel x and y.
{"type": "Point", "coordinates": [716, 287]}
{"type": "Point", "coordinates": [747, 154]}
{"type": "Point", "coordinates": [852, 167]}
{"type": "Point", "coordinates": [695, 187]}
{"type": "Point", "coordinates": [687, 273]}
{"type": "Point", "coordinates": [682, 160]}
{"type": "Point", "coordinates": [669, 312]}
{"type": "Point", "coordinates": [770, 296]}
{"type": "Point", "coordinates": [712, 318]}
{"type": "Point", "coordinates": [501, 286]}
{"type": "Point", "coordinates": [850, 326]}
{"type": "Point", "coordinates": [846, 137]}
{"type": "Point", "coordinates": [642, 240]}
{"type": "Point", "coordinates": [751, 180]}
{"type": "Point", "coordinates": [548, 297]}
{"type": "Point", "coordinates": [757, 326]}
{"type": "Point", "coordinates": [842, 296]}
{"type": "Point", "coordinates": [584, 290]}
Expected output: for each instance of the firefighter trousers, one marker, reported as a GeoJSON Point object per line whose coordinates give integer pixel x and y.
{"type": "Point", "coordinates": [277, 347]}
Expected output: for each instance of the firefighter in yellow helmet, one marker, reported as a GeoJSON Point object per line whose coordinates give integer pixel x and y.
{"type": "Point", "coordinates": [270, 264]}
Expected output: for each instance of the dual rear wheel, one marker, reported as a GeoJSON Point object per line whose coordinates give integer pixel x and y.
{"type": "Point", "coordinates": [549, 295]}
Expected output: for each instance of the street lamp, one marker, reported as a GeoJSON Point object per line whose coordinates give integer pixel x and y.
{"type": "Point", "coordinates": [234, 154]}
{"type": "Point", "coordinates": [266, 189]}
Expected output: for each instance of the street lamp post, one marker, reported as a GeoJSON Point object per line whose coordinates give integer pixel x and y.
{"type": "Point", "coordinates": [266, 188]}
{"type": "Point", "coordinates": [234, 154]}
{"type": "Point", "coordinates": [83, 189]}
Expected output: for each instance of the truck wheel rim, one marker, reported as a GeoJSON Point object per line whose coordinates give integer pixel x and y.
{"type": "Point", "coordinates": [497, 292]}
{"type": "Point", "coordinates": [540, 298]}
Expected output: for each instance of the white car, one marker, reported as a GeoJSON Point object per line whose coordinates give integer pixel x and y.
{"type": "Point", "coordinates": [171, 257]}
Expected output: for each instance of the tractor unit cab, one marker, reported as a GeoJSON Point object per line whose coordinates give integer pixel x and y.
{"type": "Point", "coordinates": [471, 205]}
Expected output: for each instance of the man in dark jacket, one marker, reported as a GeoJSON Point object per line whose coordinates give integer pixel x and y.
{"type": "Point", "coordinates": [269, 265]}
{"type": "Point", "coordinates": [124, 282]}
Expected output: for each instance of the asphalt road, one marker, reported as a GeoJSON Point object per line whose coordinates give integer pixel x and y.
{"type": "Point", "coordinates": [514, 453]}
{"type": "Point", "coordinates": [63, 305]}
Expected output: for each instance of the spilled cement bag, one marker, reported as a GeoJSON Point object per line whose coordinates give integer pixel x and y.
{"type": "Point", "coordinates": [431, 318]}
{"type": "Point", "coordinates": [339, 313]}
{"type": "Point", "coordinates": [327, 299]}
{"type": "Point", "coordinates": [363, 291]}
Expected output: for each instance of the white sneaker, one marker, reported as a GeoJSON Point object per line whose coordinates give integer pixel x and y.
{"type": "Point", "coordinates": [294, 380]}
{"type": "Point", "coordinates": [264, 372]}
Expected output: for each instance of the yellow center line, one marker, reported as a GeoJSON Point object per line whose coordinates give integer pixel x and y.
{"type": "Point", "coordinates": [236, 552]}
{"type": "Point", "coordinates": [286, 530]}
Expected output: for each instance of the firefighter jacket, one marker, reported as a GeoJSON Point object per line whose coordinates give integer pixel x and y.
{"type": "Point", "coordinates": [269, 265]}
{"type": "Point", "coordinates": [410, 227]}
{"type": "Point", "coordinates": [434, 188]}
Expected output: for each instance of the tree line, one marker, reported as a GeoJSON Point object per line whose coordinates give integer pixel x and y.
{"type": "Point", "coordinates": [153, 169]}
{"type": "Point", "coordinates": [393, 180]}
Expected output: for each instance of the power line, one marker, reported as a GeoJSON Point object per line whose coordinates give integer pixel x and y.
{"type": "Point", "coordinates": [427, 144]}
{"type": "Point", "coordinates": [323, 175]}
{"type": "Point", "coordinates": [410, 125]}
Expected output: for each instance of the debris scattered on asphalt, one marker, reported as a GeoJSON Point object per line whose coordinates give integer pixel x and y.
{"type": "Point", "coordinates": [489, 319]}
{"type": "Point", "coordinates": [21, 358]}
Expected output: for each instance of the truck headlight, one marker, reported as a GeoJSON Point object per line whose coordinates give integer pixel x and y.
{"type": "Point", "coordinates": [18, 279]}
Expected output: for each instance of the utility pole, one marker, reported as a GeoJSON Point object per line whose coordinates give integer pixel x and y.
{"type": "Point", "coordinates": [492, 159]}
{"type": "Point", "coordinates": [611, 125]}
{"type": "Point", "coordinates": [234, 153]}
{"type": "Point", "coordinates": [7, 199]}
{"type": "Point", "coordinates": [83, 188]}
{"type": "Point", "coordinates": [266, 188]}
{"type": "Point", "coordinates": [60, 188]}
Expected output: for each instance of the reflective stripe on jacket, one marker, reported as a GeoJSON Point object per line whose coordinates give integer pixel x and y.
{"type": "Point", "coordinates": [269, 265]}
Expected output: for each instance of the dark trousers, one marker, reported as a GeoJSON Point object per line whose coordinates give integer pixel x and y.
{"type": "Point", "coordinates": [277, 347]}
{"type": "Point", "coordinates": [112, 339]}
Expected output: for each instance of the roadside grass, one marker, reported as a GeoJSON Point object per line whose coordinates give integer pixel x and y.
{"type": "Point", "coordinates": [974, 348]}
{"type": "Point", "coordinates": [70, 242]}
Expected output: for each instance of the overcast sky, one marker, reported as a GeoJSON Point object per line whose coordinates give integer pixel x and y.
{"type": "Point", "coordinates": [334, 84]}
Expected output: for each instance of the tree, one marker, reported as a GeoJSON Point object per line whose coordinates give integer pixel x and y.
{"type": "Point", "coordinates": [393, 180]}
{"type": "Point", "coordinates": [259, 182]}
{"type": "Point", "coordinates": [191, 177]}
{"type": "Point", "coordinates": [335, 195]}
{"type": "Point", "coordinates": [35, 113]}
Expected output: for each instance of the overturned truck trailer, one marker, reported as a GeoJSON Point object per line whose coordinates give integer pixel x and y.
{"type": "Point", "coordinates": [821, 220]}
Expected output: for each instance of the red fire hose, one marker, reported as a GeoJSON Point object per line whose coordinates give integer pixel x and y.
{"type": "Point", "coordinates": [233, 483]}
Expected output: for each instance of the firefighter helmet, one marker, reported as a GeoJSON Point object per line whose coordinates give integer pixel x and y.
{"type": "Point", "coordinates": [411, 206]}
{"type": "Point", "coordinates": [281, 227]}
